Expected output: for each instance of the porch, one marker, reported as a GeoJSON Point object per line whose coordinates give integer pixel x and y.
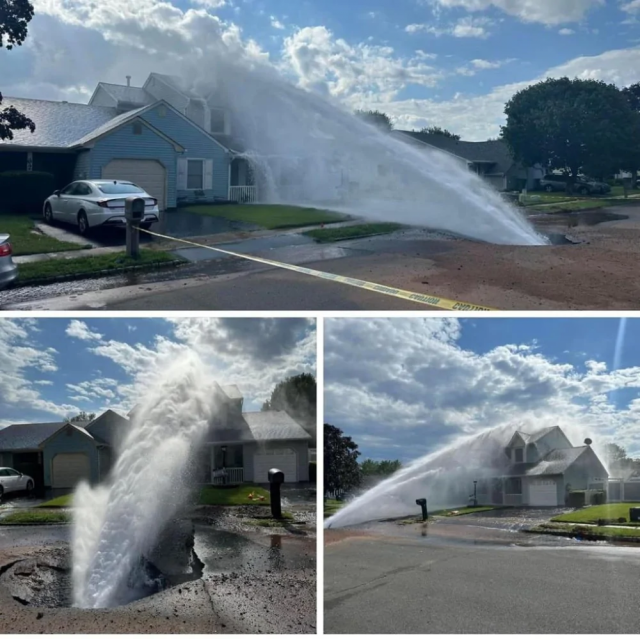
{"type": "Point", "coordinates": [225, 465]}
{"type": "Point", "coordinates": [500, 491]}
{"type": "Point", "coordinates": [242, 182]}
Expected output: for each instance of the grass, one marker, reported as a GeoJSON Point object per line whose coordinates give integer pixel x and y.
{"type": "Point", "coordinates": [35, 517]}
{"type": "Point", "coordinates": [269, 216]}
{"type": "Point", "coordinates": [348, 232]}
{"type": "Point", "coordinates": [605, 531]}
{"type": "Point", "coordinates": [564, 206]}
{"type": "Point", "coordinates": [65, 501]}
{"type": "Point", "coordinates": [27, 241]}
{"type": "Point", "coordinates": [269, 522]}
{"type": "Point", "coordinates": [592, 514]}
{"type": "Point", "coordinates": [90, 264]}
{"type": "Point", "coordinates": [467, 510]}
{"type": "Point", "coordinates": [332, 506]}
{"type": "Point", "coordinates": [232, 496]}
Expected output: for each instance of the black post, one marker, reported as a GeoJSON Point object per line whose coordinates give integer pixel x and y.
{"type": "Point", "coordinates": [423, 504]}
{"type": "Point", "coordinates": [475, 493]}
{"type": "Point", "coordinates": [134, 214]}
{"type": "Point", "coordinates": [276, 478]}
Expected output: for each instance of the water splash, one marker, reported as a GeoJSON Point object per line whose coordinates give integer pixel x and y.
{"type": "Point", "coordinates": [309, 151]}
{"type": "Point", "coordinates": [117, 524]}
{"type": "Point", "coordinates": [444, 478]}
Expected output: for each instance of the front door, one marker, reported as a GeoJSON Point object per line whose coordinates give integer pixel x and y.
{"type": "Point", "coordinates": [497, 494]}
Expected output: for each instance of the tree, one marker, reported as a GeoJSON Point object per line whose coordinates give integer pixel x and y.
{"type": "Point", "coordinates": [570, 125]}
{"type": "Point", "coordinates": [632, 163]}
{"type": "Point", "coordinates": [82, 416]}
{"type": "Point", "coordinates": [384, 468]}
{"type": "Point", "coordinates": [616, 456]}
{"type": "Point", "coordinates": [296, 396]}
{"type": "Point", "coordinates": [15, 15]}
{"type": "Point", "coordinates": [341, 469]}
{"type": "Point", "coordinates": [436, 130]}
{"type": "Point", "coordinates": [377, 118]}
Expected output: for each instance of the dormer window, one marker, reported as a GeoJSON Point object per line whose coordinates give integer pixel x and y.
{"type": "Point", "coordinates": [518, 455]}
{"type": "Point", "coordinates": [218, 121]}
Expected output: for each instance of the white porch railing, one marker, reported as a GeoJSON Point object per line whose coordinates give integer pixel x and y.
{"type": "Point", "coordinates": [243, 194]}
{"type": "Point", "coordinates": [229, 476]}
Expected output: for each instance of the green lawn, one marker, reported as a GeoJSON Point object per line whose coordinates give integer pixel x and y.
{"type": "Point", "coordinates": [332, 506]}
{"type": "Point", "coordinates": [591, 514]}
{"type": "Point", "coordinates": [91, 264]}
{"type": "Point", "coordinates": [457, 512]}
{"type": "Point", "coordinates": [26, 241]}
{"type": "Point", "coordinates": [36, 517]}
{"type": "Point", "coordinates": [269, 216]}
{"type": "Point", "coordinates": [348, 232]}
{"type": "Point", "coordinates": [269, 522]}
{"type": "Point", "coordinates": [232, 496]}
{"type": "Point", "coordinates": [59, 502]}
{"type": "Point", "coordinates": [606, 531]}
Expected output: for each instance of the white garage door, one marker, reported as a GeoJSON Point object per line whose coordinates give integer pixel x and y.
{"type": "Point", "coordinates": [283, 459]}
{"type": "Point", "coordinates": [69, 469]}
{"type": "Point", "coordinates": [543, 492]}
{"type": "Point", "coordinates": [147, 174]}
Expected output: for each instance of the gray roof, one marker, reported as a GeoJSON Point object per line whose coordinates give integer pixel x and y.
{"type": "Point", "coordinates": [58, 124]}
{"type": "Point", "coordinates": [179, 84]}
{"type": "Point", "coordinates": [109, 126]}
{"type": "Point", "coordinates": [492, 151]}
{"type": "Point", "coordinates": [555, 462]}
{"type": "Point", "coordinates": [127, 94]}
{"type": "Point", "coordinates": [232, 391]}
{"type": "Point", "coordinates": [108, 427]}
{"type": "Point", "coordinates": [29, 436]}
{"type": "Point", "coordinates": [262, 426]}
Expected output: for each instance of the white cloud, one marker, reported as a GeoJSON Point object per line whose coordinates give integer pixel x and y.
{"type": "Point", "coordinates": [80, 330]}
{"type": "Point", "coordinates": [566, 32]}
{"type": "Point", "coordinates": [276, 24]}
{"type": "Point", "coordinates": [467, 27]}
{"type": "Point", "coordinates": [632, 7]}
{"type": "Point", "coordinates": [549, 12]}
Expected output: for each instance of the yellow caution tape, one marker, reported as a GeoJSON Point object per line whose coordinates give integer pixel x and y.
{"type": "Point", "coordinates": [419, 298]}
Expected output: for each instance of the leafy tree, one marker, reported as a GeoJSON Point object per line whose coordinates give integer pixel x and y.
{"type": "Point", "coordinates": [15, 15]}
{"type": "Point", "coordinates": [298, 397]}
{"type": "Point", "coordinates": [632, 164]}
{"type": "Point", "coordinates": [82, 416]}
{"type": "Point", "coordinates": [377, 118]}
{"type": "Point", "coordinates": [570, 125]}
{"type": "Point", "coordinates": [341, 469]}
{"type": "Point", "coordinates": [384, 468]}
{"type": "Point", "coordinates": [436, 130]}
{"type": "Point", "coordinates": [616, 456]}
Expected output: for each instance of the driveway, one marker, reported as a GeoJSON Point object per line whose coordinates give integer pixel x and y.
{"type": "Point", "coordinates": [375, 584]}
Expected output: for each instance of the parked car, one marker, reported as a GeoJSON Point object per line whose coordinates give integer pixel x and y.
{"type": "Point", "coordinates": [584, 185]}
{"type": "Point", "coordinates": [91, 203]}
{"type": "Point", "coordinates": [8, 270]}
{"type": "Point", "coordinates": [13, 481]}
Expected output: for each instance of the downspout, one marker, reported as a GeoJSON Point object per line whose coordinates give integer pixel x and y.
{"type": "Point", "coordinates": [229, 178]}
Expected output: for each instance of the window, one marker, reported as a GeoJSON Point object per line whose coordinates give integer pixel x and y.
{"type": "Point", "coordinates": [119, 187]}
{"type": "Point", "coordinates": [195, 174]}
{"type": "Point", "coordinates": [519, 455]}
{"type": "Point", "coordinates": [217, 121]}
{"type": "Point", "coordinates": [137, 128]}
{"type": "Point", "coordinates": [162, 112]}
{"type": "Point", "coordinates": [69, 190]}
{"type": "Point", "coordinates": [82, 189]}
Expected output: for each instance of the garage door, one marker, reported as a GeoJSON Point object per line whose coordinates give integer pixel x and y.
{"type": "Point", "coordinates": [69, 469]}
{"type": "Point", "coordinates": [543, 492]}
{"type": "Point", "coordinates": [283, 459]}
{"type": "Point", "coordinates": [147, 174]}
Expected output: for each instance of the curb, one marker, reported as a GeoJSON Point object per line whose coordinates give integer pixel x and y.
{"type": "Point", "coordinates": [97, 274]}
{"type": "Point", "coordinates": [588, 537]}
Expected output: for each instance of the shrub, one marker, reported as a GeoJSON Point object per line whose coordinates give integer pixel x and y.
{"type": "Point", "coordinates": [622, 520]}
{"type": "Point", "coordinates": [24, 191]}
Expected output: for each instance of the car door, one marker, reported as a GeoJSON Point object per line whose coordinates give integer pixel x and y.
{"type": "Point", "coordinates": [15, 478]}
{"type": "Point", "coordinates": [60, 203]}
{"type": "Point", "coordinates": [6, 480]}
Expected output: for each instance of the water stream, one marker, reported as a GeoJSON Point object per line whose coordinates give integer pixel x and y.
{"type": "Point", "coordinates": [118, 523]}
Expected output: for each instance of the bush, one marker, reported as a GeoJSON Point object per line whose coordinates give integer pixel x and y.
{"type": "Point", "coordinates": [598, 498]}
{"type": "Point", "coordinates": [622, 520]}
{"type": "Point", "coordinates": [312, 472]}
{"type": "Point", "coordinates": [576, 499]}
{"type": "Point", "coordinates": [24, 191]}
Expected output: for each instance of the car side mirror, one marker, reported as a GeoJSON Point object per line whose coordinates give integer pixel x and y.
{"type": "Point", "coordinates": [57, 193]}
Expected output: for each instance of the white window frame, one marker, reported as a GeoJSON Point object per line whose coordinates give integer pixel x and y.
{"type": "Point", "coordinates": [203, 160]}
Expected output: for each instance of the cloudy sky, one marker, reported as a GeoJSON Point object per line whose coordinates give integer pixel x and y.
{"type": "Point", "coordinates": [404, 387]}
{"type": "Point", "coordinates": [452, 63]}
{"type": "Point", "coordinates": [54, 368]}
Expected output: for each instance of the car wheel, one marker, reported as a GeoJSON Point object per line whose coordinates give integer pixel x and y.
{"type": "Point", "coordinates": [29, 486]}
{"type": "Point", "coordinates": [48, 214]}
{"type": "Point", "coordinates": [548, 188]}
{"type": "Point", "coordinates": [83, 223]}
{"type": "Point", "coordinates": [1, 492]}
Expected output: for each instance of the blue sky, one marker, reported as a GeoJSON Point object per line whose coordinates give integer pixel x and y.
{"type": "Point", "coordinates": [452, 63]}
{"type": "Point", "coordinates": [404, 387]}
{"type": "Point", "coordinates": [58, 367]}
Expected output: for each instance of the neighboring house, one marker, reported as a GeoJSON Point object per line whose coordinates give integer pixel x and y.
{"type": "Point", "coordinates": [491, 160]}
{"type": "Point", "coordinates": [59, 454]}
{"type": "Point", "coordinates": [539, 469]}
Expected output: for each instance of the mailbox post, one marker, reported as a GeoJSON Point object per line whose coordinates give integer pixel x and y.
{"type": "Point", "coordinates": [423, 504]}
{"type": "Point", "coordinates": [276, 479]}
{"type": "Point", "coordinates": [134, 214]}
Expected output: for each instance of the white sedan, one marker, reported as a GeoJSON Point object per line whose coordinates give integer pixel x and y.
{"type": "Point", "coordinates": [12, 481]}
{"type": "Point", "coordinates": [90, 203]}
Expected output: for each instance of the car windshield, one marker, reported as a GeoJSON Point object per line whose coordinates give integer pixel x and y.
{"type": "Point", "coordinates": [119, 187]}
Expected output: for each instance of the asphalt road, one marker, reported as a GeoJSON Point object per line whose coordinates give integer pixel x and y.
{"type": "Point", "coordinates": [403, 586]}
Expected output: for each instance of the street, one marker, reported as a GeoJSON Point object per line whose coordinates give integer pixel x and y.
{"type": "Point", "coordinates": [403, 585]}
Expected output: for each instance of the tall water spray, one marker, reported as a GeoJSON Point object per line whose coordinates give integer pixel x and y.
{"type": "Point", "coordinates": [117, 523]}
{"type": "Point", "coordinates": [445, 478]}
{"type": "Point", "coordinates": [310, 151]}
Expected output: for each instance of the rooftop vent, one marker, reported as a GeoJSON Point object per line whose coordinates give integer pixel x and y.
{"type": "Point", "coordinates": [128, 80]}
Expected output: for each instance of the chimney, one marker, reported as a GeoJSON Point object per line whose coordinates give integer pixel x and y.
{"type": "Point", "coordinates": [128, 80]}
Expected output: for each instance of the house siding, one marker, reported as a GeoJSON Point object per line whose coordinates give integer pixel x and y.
{"type": "Point", "coordinates": [82, 169]}
{"type": "Point", "coordinates": [198, 146]}
{"type": "Point", "coordinates": [301, 449]}
{"type": "Point", "coordinates": [123, 144]}
{"type": "Point", "coordinates": [74, 443]}
{"type": "Point", "coordinates": [584, 471]}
